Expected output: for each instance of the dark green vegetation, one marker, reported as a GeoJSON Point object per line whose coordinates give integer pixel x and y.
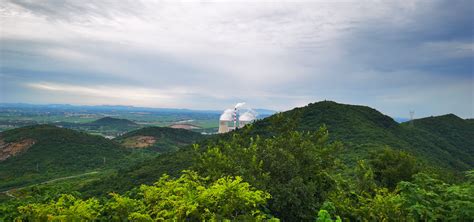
{"type": "Point", "coordinates": [360, 166]}
{"type": "Point", "coordinates": [453, 131]}
{"type": "Point", "coordinates": [444, 142]}
{"type": "Point", "coordinates": [56, 152]}
{"type": "Point", "coordinates": [160, 139]}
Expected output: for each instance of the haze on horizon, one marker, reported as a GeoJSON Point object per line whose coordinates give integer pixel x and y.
{"type": "Point", "coordinates": [393, 56]}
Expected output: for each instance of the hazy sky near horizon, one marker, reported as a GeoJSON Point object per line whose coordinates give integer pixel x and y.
{"type": "Point", "coordinates": [394, 56]}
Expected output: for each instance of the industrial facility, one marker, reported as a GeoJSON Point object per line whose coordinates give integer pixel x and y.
{"type": "Point", "coordinates": [232, 119]}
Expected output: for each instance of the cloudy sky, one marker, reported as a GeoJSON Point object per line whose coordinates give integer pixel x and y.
{"type": "Point", "coordinates": [394, 56]}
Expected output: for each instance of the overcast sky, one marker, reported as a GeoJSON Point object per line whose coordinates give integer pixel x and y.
{"type": "Point", "coordinates": [394, 56]}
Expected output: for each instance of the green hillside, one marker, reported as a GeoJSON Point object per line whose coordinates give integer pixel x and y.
{"type": "Point", "coordinates": [449, 126]}
{"type": "Point", "coordinates": [363, 129]}
{"type": "Point", "coordinates": [451, 132]}
{"type": "Point", "coordinates": [160, 139]}
{"type": "Point", "coordinates": [55, 152]}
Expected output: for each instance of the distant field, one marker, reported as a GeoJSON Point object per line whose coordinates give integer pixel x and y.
{"type": "Point", "coordinates": [14, 117]}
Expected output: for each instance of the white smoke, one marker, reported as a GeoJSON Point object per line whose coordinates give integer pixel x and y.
{"type": "Point", "coordinates": [227, 115]}
{"type": "Point", "coordinates": [248, 116]}
{"type": "Point", "coordinates": [238, 105]}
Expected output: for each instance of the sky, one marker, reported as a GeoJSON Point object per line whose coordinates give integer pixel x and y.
{"type": "Point", "coordinates": [394, 56]}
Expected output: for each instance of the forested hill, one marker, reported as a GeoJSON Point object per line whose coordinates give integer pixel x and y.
{"type": "Point", "coordinates": [110, 121]}
{"type": "Point", "coordinates": [363, 129]}
{"type": "Point", "coordinates": [451, 127]}
{"type": "Point", "coordinates": [160, 139]}
{"type": "Point", "coordinates": [349, 123]}
{"type": "Point", "coordinates": [450, 131]}
{"type": "Point", "coordinates": [36, 153]}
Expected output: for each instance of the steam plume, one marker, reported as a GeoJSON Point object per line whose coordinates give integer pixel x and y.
{"type": "Point", "coordinates": [226, 115]}
{"type": "Point", "coordinates": [238, 105]}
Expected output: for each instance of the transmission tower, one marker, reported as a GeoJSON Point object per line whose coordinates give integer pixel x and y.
{"type": "Point", "coordinates": [412, 114]}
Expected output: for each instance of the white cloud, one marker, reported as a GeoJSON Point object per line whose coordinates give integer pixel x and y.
{"type": "Point", "coordinates": [272, 54]}
{"type": "Point", "coordinates": [122, 94]}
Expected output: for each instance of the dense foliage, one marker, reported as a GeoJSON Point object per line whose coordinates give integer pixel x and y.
{"type": "Point", "coordinates": [423, 199]}
{"type": "Point", "coordinates": [293, 167]}
{"type": "Point", "coordinates": [392, 166]}
{"type": "Point", "coordinates": [442, 142]}
{"type": "Point", "coordinates": [454, 130]}
{"type": "Point", "coordinates": [190, 197]}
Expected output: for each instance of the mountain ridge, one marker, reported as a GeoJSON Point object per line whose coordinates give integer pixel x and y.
{"type": "Point", "coordinates": [364, 128]}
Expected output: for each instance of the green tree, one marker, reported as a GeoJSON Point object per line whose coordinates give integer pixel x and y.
{"type": "Point", "coordinates": [430, 199]}
{"type": "Point", "coordinates": [187, 198]}
{"type": "Point", "coordinates": [123, 208]}
{"type": "Point", "coordinates": [392, 166]}
{"type": "Point", "coordinates": [324, 216]}
{"type": "Point", "coordinates": [294, 167]}
{"type": "Point", "coordinates": [66, 208]}
{"type": "Point", "coordinates": [196, 198]}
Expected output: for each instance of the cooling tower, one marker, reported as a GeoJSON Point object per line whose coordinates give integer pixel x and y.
{"type": "Point", "coordinates": [231, 119]}
{"type": "Point", "coordinates": [223, 128]}
{"type": "Point", "coordinates": [224, 120]}
{"type": "Point", "coordinates": [247, 118]}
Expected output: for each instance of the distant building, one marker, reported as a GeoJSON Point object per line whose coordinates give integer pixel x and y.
{"type": "Point", "coordinates": [230, 119]}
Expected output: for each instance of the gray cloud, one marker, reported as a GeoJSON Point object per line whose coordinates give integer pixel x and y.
{"type": "Point", "coordinates": [395, 56]}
